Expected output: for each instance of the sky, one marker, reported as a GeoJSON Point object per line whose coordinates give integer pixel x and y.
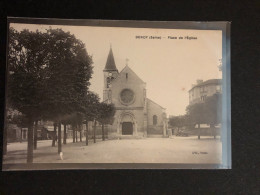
{"type": "Point", "coordinates": [168, 66]}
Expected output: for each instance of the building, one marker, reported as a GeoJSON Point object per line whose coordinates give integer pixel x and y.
{"type": "Point", "coordinates": [136, 115]}
{"type": "Point", "coordinates": [203, 89]}
{"type": "Point", "coordinates": [198, 94]}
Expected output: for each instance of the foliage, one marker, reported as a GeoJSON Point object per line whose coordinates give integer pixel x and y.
{"type": "Point", "coordinates": [20, 120]}
{"type": "Point", "coordinates": [75, 118]}
{"type": "Point", "coordinates": [91, 106]}
{"type": "Point", "coordinates": [178, 121]}
{"type": "Point", "coordinates": [106, 113]}
{"type": "Point", "coordinates": [49, 72]}
{"type": "Point", "coordinates": [213, 109]}
{"type": "Point", "coordinates": [25, 82]}
{"type": "Point", "coordinates": [48, 77]}
{"type": "Point", "coordinates": [208, 112]}
{"type": "Point", "coordinates": [196, 113]}
{"type": "Point", "coordinates": [67, 73]}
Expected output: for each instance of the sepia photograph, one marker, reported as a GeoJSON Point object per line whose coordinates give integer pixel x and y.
{"type": "Point", "coordinates": [101, 94]}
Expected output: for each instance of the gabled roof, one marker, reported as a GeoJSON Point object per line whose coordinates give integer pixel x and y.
{"type": "Point", "coordinates": [155, 103]}
{"type": "Point", "coordinates": [128, 68]}
{"type": "Point", "coordinates": [110, 65]}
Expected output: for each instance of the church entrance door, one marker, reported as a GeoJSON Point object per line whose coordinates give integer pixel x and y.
{"type": "Point", "coordinates": [127, 128]}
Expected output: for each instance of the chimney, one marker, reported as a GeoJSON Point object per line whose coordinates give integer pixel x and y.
{"type": "Point", "coordinates": [199, 81]}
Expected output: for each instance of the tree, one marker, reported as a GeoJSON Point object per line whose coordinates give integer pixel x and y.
{"type": "Point", "coordinates": [49, 76]}
{"type": "Point", "coordinates": [54, 135]}
{"type": "Point", "coordinates": [213, 111]}
{"type": "Point", "coordinates": [178, 121]}
{"type": "Point", "coordinates": [106, 115]}
{"type": "Point", "coordinates": [196, 115]}
{"type": "Point", "coordinates": [21, 121]}
{"type": "Point", "coordinates": [65, 133]}
{"type": "Point", "coordinates": [208, 112]}
{"type": "Point", "coordinates": [65, 121]}
{"type": "Point", "coordinates": [91, 110]}
{"type": "Point", "coordinates": [75, 120]}
{"type": "Point", "coordinates": [35, 134]}
{"type": "Point", "coordinates": [25, 82]}
{"type": "Point", "coordinates": [68, 70]}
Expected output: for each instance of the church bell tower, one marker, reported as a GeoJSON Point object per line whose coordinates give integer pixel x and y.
{"type": "Point", "coordinates": [110, 73]}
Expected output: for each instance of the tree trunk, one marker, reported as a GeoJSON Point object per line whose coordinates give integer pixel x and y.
{"type": "Point", "coordinates": [54, 135]}
{"type": "Point", "coordinates": [213, 130]}
{"type": "Point", "coordinates": [35, 135]}
{"type": "Point", "coordinates": [5, 139]}
{"type": "Point", "coordinates": [94, 132]}
{"type": "Point", "coordinates": [21, 137]}
{"type": "Point", "coordinates": [198, 131]}
{"type": "Point", "coordinates": [73, 133]}
{"type": "Point", "coordinates": [103, 132]}
{"type": "Point", "coordinates": [65, 135]}
{"type": "Point", "coordinates": [106, 130]}
{"type": "Point", "coordinates": [80, 135]}
{"type": "Point", "coordinates": [59, 138]}
{"type": "Point", "coordinates": [30, 142]}
{"type": "Point", "coordinates": [76, 133]}
{"type": "Point", "coordinates": [86, 133]}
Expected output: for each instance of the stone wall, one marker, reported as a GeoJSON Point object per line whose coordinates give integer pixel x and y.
{"type": "Point", "coordinates": [154, 109]}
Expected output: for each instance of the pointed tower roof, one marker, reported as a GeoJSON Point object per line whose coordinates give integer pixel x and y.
{"type": "Point", "coordinates": [110, 65]}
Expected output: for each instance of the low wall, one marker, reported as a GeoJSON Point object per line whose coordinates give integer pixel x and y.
{"type": "Point", "coordinates": [155, 130]}
{"type": "Point", "coordinates": [201, 131]}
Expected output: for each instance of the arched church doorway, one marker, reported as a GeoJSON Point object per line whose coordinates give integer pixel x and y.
{"type": "Point", "coordinates": [127, 128]}
{"type": "Point", "coordinates": [127, 124]}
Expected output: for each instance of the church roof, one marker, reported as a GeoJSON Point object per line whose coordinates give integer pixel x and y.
{"type": "Point", "coordinates": [155, 103]}
{"type": "Point", "coordinates": [110, 65]}
{"type": "Point", "coordinates": [127, 68]}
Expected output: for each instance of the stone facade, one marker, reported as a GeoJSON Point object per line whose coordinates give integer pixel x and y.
{"type": "Point", "coordinates": [136, 115]}
{"type": "Point", "coordinates": [157, 123]}
{"type": "Point", "coordinates": [201, 90]}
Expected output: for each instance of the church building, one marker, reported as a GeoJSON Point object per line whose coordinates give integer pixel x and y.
{"type": "Point", "coordinates": [136, 115]}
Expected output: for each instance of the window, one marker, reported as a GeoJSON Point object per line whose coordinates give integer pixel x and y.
{"type": "Point", "coordinates": [127, 96]}
{"type": "Point", "coordinates": [203, 98]}
{"type": "Point", "coordinates": [203, 89]}
{"type": "Point", "coordinates": [126, 75]}
{"type": "Point", "coordinates": [108, 81]}
{"type": "Point", "coordinates": [154, 120]}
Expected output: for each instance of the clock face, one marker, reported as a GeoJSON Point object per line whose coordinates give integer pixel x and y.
{"type": "Point", "coordinates": [127, 96]}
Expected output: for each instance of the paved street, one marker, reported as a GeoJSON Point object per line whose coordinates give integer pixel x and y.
{"type": "Point", "coordinates": [148, 150]}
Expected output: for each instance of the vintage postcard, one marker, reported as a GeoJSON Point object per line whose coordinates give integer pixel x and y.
{"type": "Point", "coordinates": [100, 94]}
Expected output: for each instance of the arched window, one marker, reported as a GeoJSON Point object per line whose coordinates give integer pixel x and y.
{"type": "Point", "coordinates": [154, 120]}
{"type": "Point", "coordinates": [108, 81]}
